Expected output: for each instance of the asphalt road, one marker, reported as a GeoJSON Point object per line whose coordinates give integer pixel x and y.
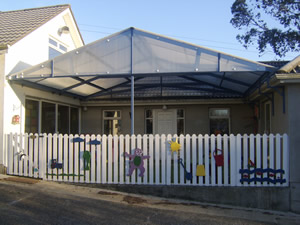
{"type": "Point", "coordinates": [26, 201]}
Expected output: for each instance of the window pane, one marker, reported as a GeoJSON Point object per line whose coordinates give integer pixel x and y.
{"type": "Point", "coordinates": [180, 113]}
{"type": "Point", "coordinates": [149, 113]}
{"type": "Point", "coordinates": [111, 127]}
{"type": "Point", "coordinates": [63, 119]}
{"type": "Point", "coordinates": [52, 42]}
{"type": "Point", "coordinates": [219, 112]}
{"type": "Point", "coordinates": [180, 126]}
{"type": "Point", "coordinates": [112, 114]}
{"type": "Point", "coordinates": [74, 129]}
{"type": "Point", "coordinates": [219, 126]}
{"type": "Point", "coordinates": [61, 47]}
{"type": "Point", "coordinates": [149, 126]}
{"type": "Point", "coordinates": [53, 53]}
{"type": "Point", "coordinates": [31, 116]}
{"type": "Point", "coordinates": [48, 117]}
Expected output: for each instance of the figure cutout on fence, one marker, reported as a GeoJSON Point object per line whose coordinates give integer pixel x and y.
{"type": "Point", "coordinates": [87, 160]}
{"type": "Point", "coordinates": [174, 145]}
{"type": "Point", "coordinates": [137, 161]}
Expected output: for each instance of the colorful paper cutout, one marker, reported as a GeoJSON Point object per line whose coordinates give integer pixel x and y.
{"type": "Point", "coordinates": [137, 161]}
{"type": "Point", "coordinates": [219, 158]}
{"type": "Point", "coordinates": [174, 145]}
{"type": "Point", "coordinates": [188, 175]}
{"type": "Point", "coordinates": [200, 171]}
{"type": "Point", "coordinates": [77, 139]}
{"type": "Point", "coordinates": [87, 160]}
{"type": "Point", "coordinates": [95, 142]}
{"type": "Point", "coordinates": [55, 164]}
{"type": "Point", "coordinates": [245, 173]}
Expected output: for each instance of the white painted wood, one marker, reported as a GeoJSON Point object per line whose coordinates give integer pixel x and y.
{"type": "Point", "coordinates": [98, 160]}
{"type": "Point", "coordinates": [104, 159]}
{"type": "Point", "coordinates": [181, 153]}
{"type": "Point", "coordinates": [76, 161]}
{"type": "Point", "coordinates": [116, 160]}
{"type": "Point", "coordinates": [278, 156]}
{"type": "Point", "coordinates": [245, 156]}
{"type": "Point", "coordinates": [213, 161]}
{"type": "Point", "coordinates": [252, 155]}
{"type": "Point", "coordinates": [15, 154]}
{"type": "Point", "coordinates": [188, 157]}
{"type": "Point", "coordinates": [169, 157]}
{"type": "Point", "coordinates": [258, 162]}
{"type": "Point", "coordinates": [234, 172]}
{"type": "Point", "coordinates": [49, 152]}
{"type": "Point", "coordinates": [207, 160]}
{"type": "Point", "coordinates": [285, 160]}
{"type": "Point", "coordinates": [110, 152]}
{"type": "Point", "coordinates": [10, 154]}
{"type": "Point", "coordinates": [87, 148]}
{"type": "Point", "coordinates": [151, 160]}
{"type": "Point", "coordinates": [70, 160]}
{"type": "Point", "coordinates": [81, 149]}
{"type": "Point", "coordinates": [133, 146]}
{"type": "Point", "coordinates": [226, 159]}
{"type": "Point", "coordinates": [36, 157]}
{"type": "Point", "coordinates": [239, 157]}
{"type": "Point", "coordinates": [122, 159]}
{"type": "Point", "coordinates": [194, 159]}
{"type": "Point", "coordinates": [66, 153]}
{"type": "Point", "coordinates": [146, 161]}
{"type": "Point", "coordinates": [139, 145]}
{"type": "Point", "coordinates": [271, 157]}
{"type": "Point", "coordinates": [21, 150]}
{"type": "Point", "coordinates": [176, 165]}
{"type": "Point", "coordinates": [220, 168]}
{"type": "Point", "coordinates": [93, 160]}
{"type": "Point", "coordinates": [157, 159]}
{"type": "Point", "coordinates": [127, 161]}
{"type": "Point", "coordinates": [265, 157]}
{"type": "Point", "coordinates": [41, 160]}
{"type": "Point", "coordinates": [163, 158]}
{"type": "Point", "coordinates": [54, 156]}
{"type": "Point", "coordinates": [60, 154]}
{"type": "Point", "coordinates": [25, 163]}
{"type": "Point", "coordinates": [200, 156]}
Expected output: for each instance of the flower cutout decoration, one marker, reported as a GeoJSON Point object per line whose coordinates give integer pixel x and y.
{"type": "Point", "coordinates": [174, 145]}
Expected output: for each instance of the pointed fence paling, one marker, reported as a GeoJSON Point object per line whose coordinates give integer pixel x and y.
{"type": "Point", "coordinates": [248, 160]}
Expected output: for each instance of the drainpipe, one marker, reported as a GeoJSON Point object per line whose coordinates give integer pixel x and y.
{"type": "Point", "coordinates": [132, 84]}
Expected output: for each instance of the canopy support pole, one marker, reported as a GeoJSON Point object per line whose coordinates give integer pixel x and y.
{"type": "Point", "coordinates": [132, 85]}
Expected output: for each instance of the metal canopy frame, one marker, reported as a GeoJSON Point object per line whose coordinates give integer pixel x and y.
{"type": "Point", "coordinates": [137, 64]}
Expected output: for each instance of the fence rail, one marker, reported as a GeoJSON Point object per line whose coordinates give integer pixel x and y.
{"type": "Point", "coordinates": [248, 160]}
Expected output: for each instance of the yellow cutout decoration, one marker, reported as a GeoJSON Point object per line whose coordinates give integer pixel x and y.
{"type": "Point", "coordinates": [200, 171]}
{"type": "Point", "coordinates": [175, 146]}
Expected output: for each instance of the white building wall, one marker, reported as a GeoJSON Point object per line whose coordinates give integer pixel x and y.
{"type": "Point", "coordinates": [31, 50]}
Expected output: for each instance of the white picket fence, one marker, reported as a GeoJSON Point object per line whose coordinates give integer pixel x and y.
{"type": "Point", "coordinates": [30, 155]}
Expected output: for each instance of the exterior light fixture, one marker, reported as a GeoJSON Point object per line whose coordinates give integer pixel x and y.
{"type": "Point", "coordinates": [63, 30]}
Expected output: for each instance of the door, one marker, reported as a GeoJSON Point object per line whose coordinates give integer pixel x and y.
{"type": "Point", "coordinates": [165, 122]}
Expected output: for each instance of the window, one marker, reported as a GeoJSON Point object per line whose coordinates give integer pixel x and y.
{"type": "Point", "coordinates": [219, 120]}
{"type": "Point", "coordinates": [111, 122]}
{"type": "Point", "coordinates": [31, 116]}
{"type": "Point", "coordinates": [149, 121]}
{"type": "Point", "coordinates": [180, 121]}
{"type": "Point", "coordinates": [74, 123]}
{"type": "Point", "coordinates": [63, 119]}
{"type": "Point", "coordinates": [56, 48]}
{"type": "Point", "coordinates": [55, 118]}
{"type": "Point", "coordinates": [267, 118]}
{"type": "Point", "coordinates": [48, 118]}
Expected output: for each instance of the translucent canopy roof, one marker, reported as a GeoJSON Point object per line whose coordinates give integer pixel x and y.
{"type": "Point", "coordinates": [161, 67]}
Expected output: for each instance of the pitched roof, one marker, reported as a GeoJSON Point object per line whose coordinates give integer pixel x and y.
{"type": "Point", "coordinates": [14, 25]}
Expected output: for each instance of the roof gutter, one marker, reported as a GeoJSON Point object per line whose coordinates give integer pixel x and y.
{"type": "Point", "coordinates": [287, 68]}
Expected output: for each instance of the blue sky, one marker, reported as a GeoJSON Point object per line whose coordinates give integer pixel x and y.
{"type": "Point", "coordinates": [202, 22]}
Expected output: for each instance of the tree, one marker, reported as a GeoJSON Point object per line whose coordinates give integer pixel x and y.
{"type": "Point", "coordinates": [253, 14]}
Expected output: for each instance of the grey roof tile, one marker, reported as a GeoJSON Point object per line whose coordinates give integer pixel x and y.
{"type": "Point", "coordinates": [14, 25]}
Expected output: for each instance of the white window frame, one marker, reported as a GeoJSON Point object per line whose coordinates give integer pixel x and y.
{"type": "Point", "coordinates": [57, 47]}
